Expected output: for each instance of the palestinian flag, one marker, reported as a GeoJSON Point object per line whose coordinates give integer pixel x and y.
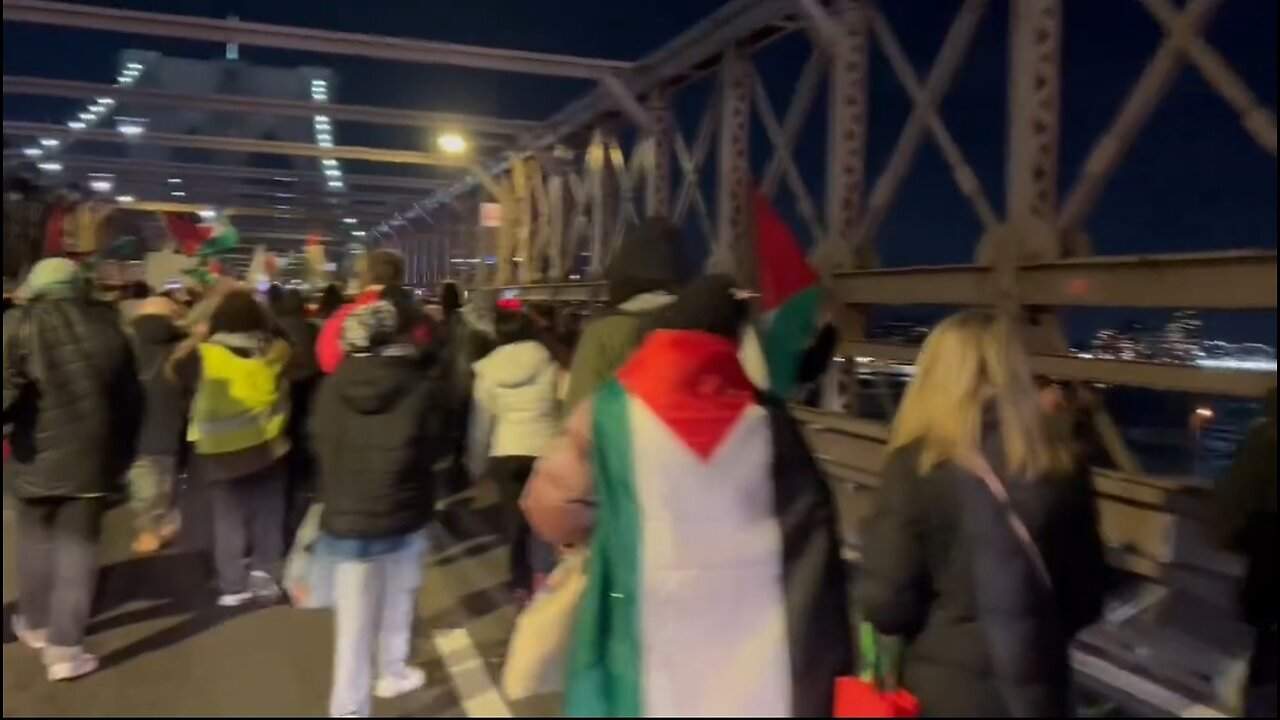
{"type": "Point", "coordinates": [201, 239]}
{"type": "Point", "coordinates": [789, 297]}
{"type": "Point", "coordinates": [715, 587]}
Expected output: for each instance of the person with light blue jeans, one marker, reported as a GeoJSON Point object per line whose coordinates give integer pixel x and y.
{"type": "Point", "coordinates": [377, 429]}
{"type": "Point", "coordinates": [375, 596]}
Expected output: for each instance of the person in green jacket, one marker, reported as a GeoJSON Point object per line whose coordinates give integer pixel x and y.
{"type": "Point", "coordinates": [642, 277]}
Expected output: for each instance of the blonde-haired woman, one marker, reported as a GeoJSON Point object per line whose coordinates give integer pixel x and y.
{"type": "Point", "coordinates": [983, 552]}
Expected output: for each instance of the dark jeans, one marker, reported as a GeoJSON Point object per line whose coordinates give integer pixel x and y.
{"type": "Point", "coordinates": [58, 566]}
{"type": "Point", "coordinates": [248, 525]}
{"type": "Point", "coordinates": [510, 474]}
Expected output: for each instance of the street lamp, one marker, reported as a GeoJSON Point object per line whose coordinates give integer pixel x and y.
{"type": "Point", "coordinates": [452, 143]}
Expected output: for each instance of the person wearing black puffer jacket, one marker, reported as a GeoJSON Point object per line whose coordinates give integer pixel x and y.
{"type": "Point", "coordinates": [983, 550]}
{"type": "Point", "coordinates": [71, 392]}
{"type": "Point", "coordinates": [377, 426]}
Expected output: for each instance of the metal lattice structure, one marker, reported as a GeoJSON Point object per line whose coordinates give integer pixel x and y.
{"type": "Point", "coordinates": [570, 185]}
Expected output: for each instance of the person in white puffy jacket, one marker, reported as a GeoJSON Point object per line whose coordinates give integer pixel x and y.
{"type": "Point", "coordinates": [514, 417]}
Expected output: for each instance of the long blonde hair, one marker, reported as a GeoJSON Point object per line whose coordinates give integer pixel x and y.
{"type": "Point", "coordinates": [972, 363]}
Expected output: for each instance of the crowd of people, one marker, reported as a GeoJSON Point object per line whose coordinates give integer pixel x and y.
{"type": "Point", "coordinates": [716, 584]}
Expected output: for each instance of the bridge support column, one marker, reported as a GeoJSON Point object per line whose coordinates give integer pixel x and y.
{"type": "Point", "coordinates": [847, 140]}
{"type": "Point", "coordinates": [601, 185]}
{"type": "Point", "coordinates": [734, 249]}
{"type": "Point", "coordinates": [657, 158]}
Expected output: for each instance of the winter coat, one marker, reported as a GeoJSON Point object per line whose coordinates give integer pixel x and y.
{"type": "Point", "coordinates": [467, 340]}
{"type": "Point", "coordinates": [239, 409]}
{"type": "Point", "coordinates": [514, 403]}
{"type": "Point", "coordinates": [943, 568]}
{"type": "Point", "coordinates": [376, 427]}
{"type": "Point", "coordinates": [71, 392]}
{"type": "Point", "coordinates": [644, 272]}
{"type": "Point", "coordinates": [155, 337]}
{"type": "Point", "coordinates": [1244, 517]}
{"type": "Point", "coordinates": [607, 343]}
{"type": "Point", "coordinates": [301, 334]}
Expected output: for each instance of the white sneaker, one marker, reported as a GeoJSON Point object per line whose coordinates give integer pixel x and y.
{"type": "Point", "coordinates": [408, 680]}
{"type": "Point", "coordinates": [263, 587]}
{"type": "Point", "coordinates": [234, 599]}
{"type": "Point", "coordinates": [82, 665]}
{"type": "Point", "coordinates": [34, 639]}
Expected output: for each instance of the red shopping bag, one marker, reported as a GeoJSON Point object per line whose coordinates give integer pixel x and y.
{"type": "Point", "coordinates": [865, 696]}
{"type": "Point", "coordinates": [858, 698]}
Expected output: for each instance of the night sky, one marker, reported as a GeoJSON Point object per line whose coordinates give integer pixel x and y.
{"type": "Point", "coordinates": [1194, 181]}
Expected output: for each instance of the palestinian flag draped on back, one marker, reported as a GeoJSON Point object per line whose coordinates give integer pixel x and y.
{"type": "Point", "coordinates": [789, 297]}
{"type": "Point", "coordinates": [715, 587]}
{"type": "Point", "coordinates": [201, 238]}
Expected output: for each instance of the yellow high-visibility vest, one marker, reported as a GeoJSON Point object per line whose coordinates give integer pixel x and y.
{"type": "Point", "coordinates": [239, 403]}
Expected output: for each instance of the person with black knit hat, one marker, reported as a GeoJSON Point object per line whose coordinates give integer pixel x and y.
{"type": "Point", "coordinates": [377, 429]}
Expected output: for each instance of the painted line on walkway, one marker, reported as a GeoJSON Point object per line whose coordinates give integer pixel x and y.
{"type": "Point", "coordinates": [472, 683]}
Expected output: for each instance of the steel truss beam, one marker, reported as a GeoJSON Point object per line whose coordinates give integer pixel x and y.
{"type": "Point", "coordinates": [1226, 281]}
{"type": "Point", "coordinates": [327, 42]}
{"type": "Point", "coordinates": [242, 145]}
{"type": "Point", "coordinates": [174, 169]}
{"type": "Point", "coordinates": [265, 106]}
{"type": "Point", "coordinates": [1161, 376]}
{"type": "Point", "coordinates": [587, 292]}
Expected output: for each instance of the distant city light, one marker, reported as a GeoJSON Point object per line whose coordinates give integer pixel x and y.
{"type": "Point", "coordinates": [452, 143]}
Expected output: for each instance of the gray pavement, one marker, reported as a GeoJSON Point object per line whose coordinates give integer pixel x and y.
{"type": "Point", "coordinates": [167, 650]}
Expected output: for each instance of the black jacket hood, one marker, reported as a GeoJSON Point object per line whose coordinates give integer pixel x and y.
{"type": "Point", "coordinates": [373, 385]}
{"type": "Point", "coordinates": [650, 258]}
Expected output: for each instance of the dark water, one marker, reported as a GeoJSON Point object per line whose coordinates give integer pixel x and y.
{"type": "Point", "coordinates": [1163, 429]}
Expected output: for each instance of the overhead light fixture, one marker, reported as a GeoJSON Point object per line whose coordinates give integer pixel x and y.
{"type": "Point", "coordinates": [350, 221]}
{"type": "Point", "coordinates": [284, 179]}
{"type": "Point", "coordinates": [131, 127]}
{"type": "Point", "coordinates": [178, 194]}
{"type": "Point", "coordinates": [77, 125]}
{"type": "Point", "coordinates": [97, 108]}
{"type": "Point", "coordinates": [125, 199]}
{"type": "Point", "coordinates": [332, 172]}
{"type": "Point", "coordinates": [322, 119]}
{"type": "Point", "coordinates": [335, 184]}
{"type": "Point", "coordinates": [105, 101]}
{"type": "Point", "coordinates": [133, 65]}
{"type": "Point", "coordinates": [207, 214]}
{"type": "Point", "coordinates": [175, 181]}
{"type": "Point", "coordinates": [452, 143]}
{"type": "Point", "coordinates": [358, 233]}
{"type": "Point", "coordinates": [101, 185]}
{"type": "Point", "coordinates": [50, 166]}
{"type": "Point", "coordinates": [87, 116]}
{"type": "Point", "coordinates": [330, 162]}
{"type": "Point", "coordinates": [50, 142]}
{"type": "Point", "coordinates": [32, 152]}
